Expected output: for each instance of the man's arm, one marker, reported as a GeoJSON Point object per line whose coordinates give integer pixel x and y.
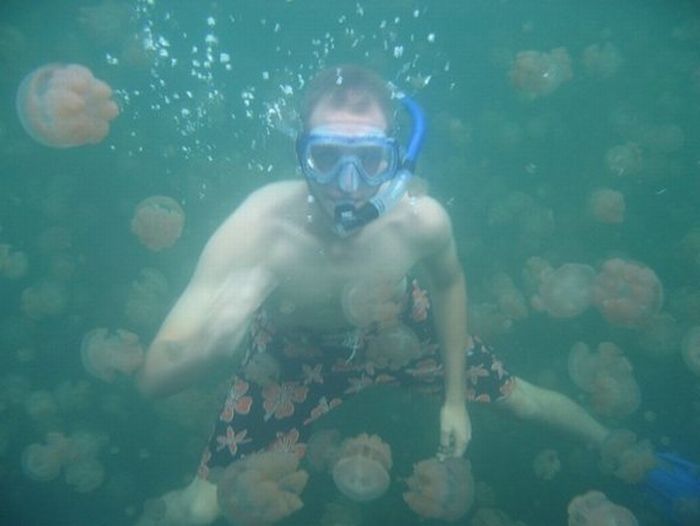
{"type": "Point", "coordinates": [211, 317]}
{"type": "Point", "coordinates": [449, 299]}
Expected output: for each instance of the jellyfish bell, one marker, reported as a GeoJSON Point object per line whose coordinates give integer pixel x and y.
{"type": "Point", "coordinates": [546, 464]}
{"type": "Point", "coordinates": [361, 472]}
{"type": "Point", "coordinates": [373, 301]}
{"type": "Point", "coordinates": [158, 222]}
{"type": "Point", "coordinates": [441, 489]}
{"type": "Point", "coordinates": [567, 291]}
{"type": "Point", "coordinates": [607, 206]}
{"type": "Point", "coordinates": [393, 347]}
{"type": "Point", "coordinates": [594, 509]}
{"type": "Point", "coordinates": [537, 74]}
{"type": "Point", "coordinates": [691, 350]}
{"type": "Point", "coordinates": [627, 294]}
{"type": "Point", "coordinates": [104, 354]}
{"type": "Point", "coordinates": [261, 488]}
{"type": "Point", "coordinates": [85, 475]}
{"type": "Point", "coordinates": [63, 106]}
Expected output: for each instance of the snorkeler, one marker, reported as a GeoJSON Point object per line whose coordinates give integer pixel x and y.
{"type": "Point", "coordinates": [305, 277]}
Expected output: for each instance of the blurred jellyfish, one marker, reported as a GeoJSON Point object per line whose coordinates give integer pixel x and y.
{"type": "Point", "coordinates": [146, 299]}
{"type": "Point", "coordinates": [665, 139]}
{"type": "Point", "coordinates": [538, 74]}
{"type": "Point", "coordinates": [85, 475]}
{"type": "Point", "coordinates": [607, 378]}
{"type": "Point", "coordinates": [13, 263]}
{"type": "Point", "coordinates": [691, 350]}
{"type": "Point", "coordinates": [361, 472]}
{"type": "Point", "coordinates": [594, 509]}
{"type": "Point", "coordinates": [393, 347]}
{"type": "Point", "coordinates": [262, 488]}
{"type": "Point", "coordinates": [158, 222]}
{"type": "Point", "coordinates": [626, 293]}
{"type": "Point", "coordinates": [546, 464]}
{"type": "Point", "coordinates": [43, 462]}
{"type": "Point", "coordinates": [624, 159]}
{"type": "Point", "coordinates": [602, 61]}
{"type": "Point", "coordinates": [565, 292]}
{"type": "Point", "coordinates": [511, 301]}
{"type": "Point", "coordinates": [42, 407]}
{"type": "Point", "coordinates": [626, 457]}
{"type": "Point", "coordinates": [373, 301]}
{"type": "Point", "coordinates": [45, 299]}
{"type": "Point", "coordinates": [607, 206]}
{"type": "Point", "coordinates": [105, 354]}
{"type": "Point", "coordinates": [661, 336]}
{"type": "Point", "coordinates": [441, 490]}
{"type": "Point", "coordinates": [64, 105]}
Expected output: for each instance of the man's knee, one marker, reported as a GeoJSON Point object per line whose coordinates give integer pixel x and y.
{"type": "Point", "coordinates": [523, 400]}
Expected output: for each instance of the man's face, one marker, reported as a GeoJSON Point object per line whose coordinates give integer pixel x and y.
{"type": "Point", "coordinates": [349, 188]}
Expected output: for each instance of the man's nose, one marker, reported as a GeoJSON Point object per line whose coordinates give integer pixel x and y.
{"type": "Point", "coordinates": [349, 179]}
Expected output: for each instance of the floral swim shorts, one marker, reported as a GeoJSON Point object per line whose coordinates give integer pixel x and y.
{"type": "Point", "coordinates": [289, 379]}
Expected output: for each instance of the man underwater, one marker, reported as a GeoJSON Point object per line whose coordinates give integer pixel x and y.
{"type": "Point", "coordinates": [305, 275]}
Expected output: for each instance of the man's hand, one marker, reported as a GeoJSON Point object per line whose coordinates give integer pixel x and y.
{"type": "Point", "coordinates": [455, 429]}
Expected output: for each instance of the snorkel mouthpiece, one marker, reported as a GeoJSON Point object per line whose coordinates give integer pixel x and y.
{"type": "Point", "coordinates": [349, 218]}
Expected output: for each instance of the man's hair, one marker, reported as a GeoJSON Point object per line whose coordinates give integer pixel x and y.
{"type": "Point", "coordinates": [351, 87]}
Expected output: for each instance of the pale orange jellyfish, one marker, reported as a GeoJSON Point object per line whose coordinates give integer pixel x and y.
{"type": "Point", "coordinates": [85, 475]}
{"type": "Point", "coordinates": [323, 448]}
{"type": "Point", "coordinates": [105, 354]}
{"type": "Point", "coordinates": [626, 293]}
{"type": "Point", "coordinates": [606, 376]}
{"type": "Point", "coordinates": [691, 350]}
{"type": "Point", "coordinates": [565, 292]}
{"type": "Point", "coordinates": [511, 301]}
{"type": "Point", "coordinates": [393, 347]}
{"type": "Point", "coordinates": [13, 263]}
{"type": "Point", "coordinates": [602, 60]}
{"type": "Point", "coordinates": [538, 74]}
{"type": "Point", "coordinates": [47, 298]}
{"type": "Point", "coordinates": [607, 206]}
{"type": "Point", "coordinates": [146, 299]}
{"type": "Point", "coordinates": [158, 222]}
{"type": "Point", "coordinates": [43, 462]}
{"type": "Point", "coordinates": [626, 457]}
{"type": "Point", "coordinates": [624, 159]}
{"type": "Point", "coordinates": [361, 472]}
{"type": "Point", "coordinates": [441, 489]}
{"type": "Point", "coordinates": [262, 488]}
{"type": "Point", "coordinates": [594, 509]}
{"type": "Point", "coordinates": [63, 105]}
{"type": "Point", "coordinates": [546, 464]}
{"type": "Point", "coordinates": [373, 301]}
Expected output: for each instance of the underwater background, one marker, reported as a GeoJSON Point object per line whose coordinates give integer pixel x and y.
{"type": "Point", "coordinates": [207, 94]}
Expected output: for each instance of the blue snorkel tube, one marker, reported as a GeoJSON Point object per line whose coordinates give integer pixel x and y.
{"type": "Point", "coordinates": [347, 217]}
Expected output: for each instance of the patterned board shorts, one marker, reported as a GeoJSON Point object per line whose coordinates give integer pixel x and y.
{"type": "Point", "coordinates": [289, 379]}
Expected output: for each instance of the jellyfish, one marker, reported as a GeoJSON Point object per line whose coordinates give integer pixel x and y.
{"type": "Point", "coordinates": [441, 489]}
{"type": "Point", "coordinates": [624, 159]}
{"type": "Point", "coordinates": [607, 206]}
{"type": "Point", "coordinates": [691, 350]}
{"type": "Point", "coordinates": [63, 105]}
{"type": "Point", "coordinates": [538, 74]}
{"type": "Point", "coordinates": [262, 488]}
{"type": "Point", "coordinates": [607, 378]}
{"type": "Point", "coordinates": [43, 462]}
{"type": "Point", "coordinates": [158, 222]}
{"type": "Point", "coordinates": [393, 347]}
{"type": "Point", "coordinates": [546, 464]}
{"type": "Point", "coordinates": [627, 458]}
{"type": "Point", "coordinates": [146, 299]}
{"type": "Point", "coordinates": [41, 406]}
{"type": "Point", "coordinates": [373, 301]}
{"type": "Point", "coordinates": [85, 475]}
{"type": "Point", "coordinates": [361, 472]}
{"type": "Point", "coordinates": [594, 509]}
{"type": "Point", "coordinates": [105, 354]}
{"type": "Point", "coordinates": [565, 292]}
{"type": "Point", "coordinates": [13, 263]}
{"type": "Point", "coordinates": [511, 301]}
{"type": "Point", "coordinates": [626, 293]}
{"type": "Point", "coordinates": [602, 61]}
{"type": "Point", "coordinates": [45, 299]}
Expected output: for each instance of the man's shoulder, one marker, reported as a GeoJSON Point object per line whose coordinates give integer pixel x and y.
{"type": "Point", "coordinates": [273, 195]}
{"type": "Point", "coordinates": [426, 217]}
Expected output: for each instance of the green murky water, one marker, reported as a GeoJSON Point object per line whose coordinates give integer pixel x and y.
{"type": "Point", "coordinates": [207, 92]}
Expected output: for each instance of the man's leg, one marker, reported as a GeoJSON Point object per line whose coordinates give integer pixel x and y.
{"type": "Point", "coordinates": [530, 402]}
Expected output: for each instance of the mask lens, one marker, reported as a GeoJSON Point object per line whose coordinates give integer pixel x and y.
{"type": "Point", "coordinates": [373, 159]}
{"type": "Point", "coordinates": [324, 157]}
